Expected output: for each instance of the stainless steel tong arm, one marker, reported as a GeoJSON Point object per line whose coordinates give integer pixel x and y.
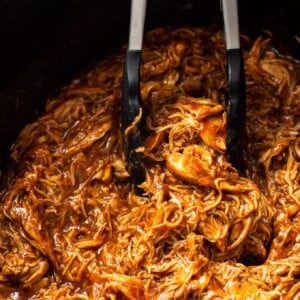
{"type": "Point", "coordinates": [231, 23]}
{"type": "Point", "coordinates": [137, 21]}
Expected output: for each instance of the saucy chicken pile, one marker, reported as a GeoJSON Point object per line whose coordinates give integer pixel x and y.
{"type": "Point", "coordinates": [72, 227]}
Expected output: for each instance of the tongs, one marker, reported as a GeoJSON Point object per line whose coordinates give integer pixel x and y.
{"type": "Point", "coordinates": [131, 115]}
{"type": "Point", "coordinates": [131, 111]}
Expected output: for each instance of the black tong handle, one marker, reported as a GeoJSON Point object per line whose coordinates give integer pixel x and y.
{"type": "Point", "coordinates": [236, 102]}
{"type": "Point", "coordinates": [131, 110]}
{"type": "Point", "coordinates": [236, 106]}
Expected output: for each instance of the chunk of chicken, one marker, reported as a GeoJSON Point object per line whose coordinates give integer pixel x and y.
{"type": "Point", "coordinates": [213, 132]}
{"type": "Point", "coordinates": [194, 165]}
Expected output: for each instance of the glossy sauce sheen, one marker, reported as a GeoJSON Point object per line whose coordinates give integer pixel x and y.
{"type": "Point", "coordinates": [71, 226]}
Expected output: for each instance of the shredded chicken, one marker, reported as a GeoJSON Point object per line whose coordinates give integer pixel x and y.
{"type": "Point", "coordinates": [71, 226]}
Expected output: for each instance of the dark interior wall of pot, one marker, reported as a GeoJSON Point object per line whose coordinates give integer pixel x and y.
{"type": "Point", "coordinates": [45, 44]}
